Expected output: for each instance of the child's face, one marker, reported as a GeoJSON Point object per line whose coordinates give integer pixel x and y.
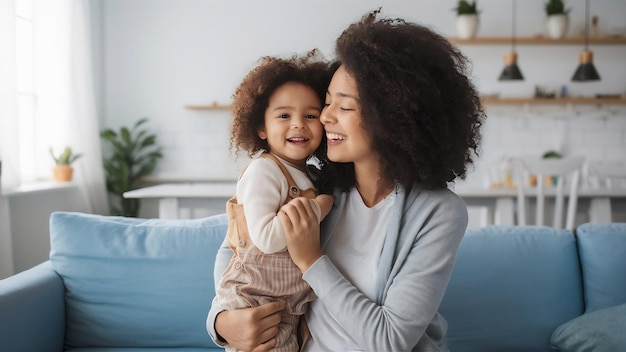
{"type": "Point", "coordinates": [292, 123]}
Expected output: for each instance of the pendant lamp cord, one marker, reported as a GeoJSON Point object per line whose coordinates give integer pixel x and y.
{"type": "Point", "coordinates": [586, 24]}
{"type": "Point", "coordinates": [513, 24]}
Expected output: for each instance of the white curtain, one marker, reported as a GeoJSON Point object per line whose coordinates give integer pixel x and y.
{"type": "Point", "coordinates": [66, 92]}
{"type": "Point", "coordinates": [67, 113]}
{"type": "Point", "coordinates": [8, 130]}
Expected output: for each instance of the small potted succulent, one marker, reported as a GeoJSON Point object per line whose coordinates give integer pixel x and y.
{"type": "Point", "coordinates": [63, 170]}
{"type": "Point", "coordinates": [558, 20]}
{"type": "Point", "coordinates": [466, 19]}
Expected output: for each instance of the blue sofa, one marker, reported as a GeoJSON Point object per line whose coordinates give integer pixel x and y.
{"type": "Point", "coordinates": [127, 284]}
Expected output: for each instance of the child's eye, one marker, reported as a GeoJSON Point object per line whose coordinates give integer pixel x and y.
{"type": "Point", "coordinates": [311, 117]}
{"type": "Point", "coordinates": [283, 116]}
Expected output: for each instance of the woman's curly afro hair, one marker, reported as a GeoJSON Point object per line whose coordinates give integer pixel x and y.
{"type": "Point", "coordinates": [251, 98]}
{"type": "Point", "coordinates": [416, 100]}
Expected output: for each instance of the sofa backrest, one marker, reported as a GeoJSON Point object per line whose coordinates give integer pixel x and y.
{"type": "Point", "coordinates": [602, 249]}
{"type": "Point", "coordinates": [134, 282]}
{"type": "Point", "coordinates": [511, 287]}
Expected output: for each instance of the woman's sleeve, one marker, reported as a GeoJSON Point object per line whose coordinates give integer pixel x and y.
{"type": "Point", "coordinates": [221, 262]}
{"type": "Point", "coordinates": [416, 288]}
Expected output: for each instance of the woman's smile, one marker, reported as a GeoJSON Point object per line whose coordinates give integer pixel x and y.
{"type": "Point", "coordinates": [334, 138]}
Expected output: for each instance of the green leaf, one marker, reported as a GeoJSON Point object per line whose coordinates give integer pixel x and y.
{"type": "Point", "coordinates": [125, 134]}
{"type": "Point", "coordinates": [108, 134]}
{"type": "Point", "coordinates": [140, 122]}
{"type": "Point", "coordinates": [148, 141]}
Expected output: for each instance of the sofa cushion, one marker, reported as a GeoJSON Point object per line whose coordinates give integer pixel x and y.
{"type": "Point", "coordinates": [133, 282]}
{"type": "Point", "coordinates": [511, 287]}
{"type": "Point", "coordinates": [147, 349]}
{"type": "Point", "coordinates": [603, 263]}
{"type": "Point", "coordinates": [601, 330]}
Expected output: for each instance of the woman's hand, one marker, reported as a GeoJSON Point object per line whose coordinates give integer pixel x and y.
{"type": "Point", "coordinates": [250, 329]}
{"type": "Point", "coordinates": [302, 232]}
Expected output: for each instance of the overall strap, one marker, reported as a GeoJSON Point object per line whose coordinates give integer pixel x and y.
{"type": "Point", "coordinates": [294, 191]}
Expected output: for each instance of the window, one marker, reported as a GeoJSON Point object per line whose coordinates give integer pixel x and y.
{"type": "Point", "coordinates": [25, 83]}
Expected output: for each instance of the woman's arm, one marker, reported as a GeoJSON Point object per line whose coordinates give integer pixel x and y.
{"type": "Point", "coordinates": [414, 289]}
{"type": "Point", "coordinates": [250, 329]}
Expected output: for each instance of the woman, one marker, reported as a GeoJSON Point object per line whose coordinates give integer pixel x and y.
{"type": "Point", "coordinates": [402, 121]}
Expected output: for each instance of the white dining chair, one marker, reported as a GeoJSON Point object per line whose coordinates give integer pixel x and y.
{"type": "Point", "coordinates": [605, 175]}
{"type": "Point", "coordinates": [564, 171]}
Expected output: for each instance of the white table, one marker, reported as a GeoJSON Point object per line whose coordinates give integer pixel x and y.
{"type": "Point", "coordinates": [173, 196]}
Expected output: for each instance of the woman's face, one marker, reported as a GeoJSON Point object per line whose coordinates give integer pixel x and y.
{"type": "Point", "coordinates": [347, 140]}
{"type": "Point", "coordinates": [292, 127]}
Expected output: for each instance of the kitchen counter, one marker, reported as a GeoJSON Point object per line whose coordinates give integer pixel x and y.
{"type": "Point", "coordinates": [499, 202]}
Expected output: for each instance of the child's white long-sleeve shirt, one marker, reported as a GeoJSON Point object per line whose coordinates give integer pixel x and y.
{"type": "Point", "coordinates": [262, 189]}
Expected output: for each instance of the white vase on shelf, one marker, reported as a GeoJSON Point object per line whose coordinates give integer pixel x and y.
{"type": "Point", "coordinates": [557, 26]}
{"type": "Point", "coordinates": [467, 26]}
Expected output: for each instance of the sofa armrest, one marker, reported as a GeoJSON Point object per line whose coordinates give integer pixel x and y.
{"type": "Point", "coordinates": [32, 310]}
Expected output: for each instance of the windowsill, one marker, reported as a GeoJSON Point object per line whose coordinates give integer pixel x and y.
{"type": "Point", "coordinates": [37, 187]}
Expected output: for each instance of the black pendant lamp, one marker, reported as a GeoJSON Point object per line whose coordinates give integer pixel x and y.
{"type": "Point", "coordinates": [586, 71]}
{"type": "Point", "coordinates": [511, 72]}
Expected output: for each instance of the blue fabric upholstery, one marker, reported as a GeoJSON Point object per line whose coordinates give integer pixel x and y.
{"type": "Point", "coordinates": [123, 284]}
{"type": "Point", "coordinates": [123, 349]}
{"type": "Point", "coordinates": [602, 249]}
{"type": "Point", "coordinates": [134, 282]}
{"type": "Point", "coordinates": [514, 285]}
{"type": "Point", "coordinates": [32, 311]}
{"type": "Point", "coordinates": [600, 330]}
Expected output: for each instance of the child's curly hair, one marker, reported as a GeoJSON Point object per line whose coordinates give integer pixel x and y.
{"type": "Point", "coordinates": [252, 96]}
{"type": "Point", "coordinates": [416, 100]}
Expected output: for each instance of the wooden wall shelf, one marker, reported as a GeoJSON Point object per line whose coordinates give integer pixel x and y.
{"type": "Point", "coordinates": [538, 41]}
{"type": "Point", "coordinates": [213, 106]}
{"type": "Point", "coordinates": [554, 101]}
{"type": "Point", "coordinates": [487, 100]}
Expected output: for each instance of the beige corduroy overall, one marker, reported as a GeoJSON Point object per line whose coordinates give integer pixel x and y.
{"type": "Point", "coordinates": [253, 278]}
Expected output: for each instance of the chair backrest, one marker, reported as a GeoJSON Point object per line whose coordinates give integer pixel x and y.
{"type": "Point", "coordinates": [605, 173]}
{"type": "Point", "coordinates": [554, 171]}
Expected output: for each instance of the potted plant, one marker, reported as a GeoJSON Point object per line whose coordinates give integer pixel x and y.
{"type": "Point", "coordinates": [466, 19]}
{"type": "Point", "coordinates": [63, 170]}
{"type": "Point", "coordinates": [133, 155]}
{"type": "Point", "coordinates": [558, 20]}
{"type": "Point", "coordinates": [548, 180]}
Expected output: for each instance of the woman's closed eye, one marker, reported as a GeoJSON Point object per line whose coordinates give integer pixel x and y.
{"type": "Point", "coordinates": [342, 108]}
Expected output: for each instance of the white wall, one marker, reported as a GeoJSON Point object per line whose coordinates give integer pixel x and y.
{"type": "Point", "coordinates": [160, 55]}
{"type": "Point", "coordinates": [29, 211]}
{"type": "Point", "coordinates": [155, 56]}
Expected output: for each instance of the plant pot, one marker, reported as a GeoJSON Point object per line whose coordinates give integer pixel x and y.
{"type": "Point", "coordinates": [466, 26]}
{"type": "Point", "coordinates": [62, 173]}
{"type": "Point", "coordinates": [557, 26]}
